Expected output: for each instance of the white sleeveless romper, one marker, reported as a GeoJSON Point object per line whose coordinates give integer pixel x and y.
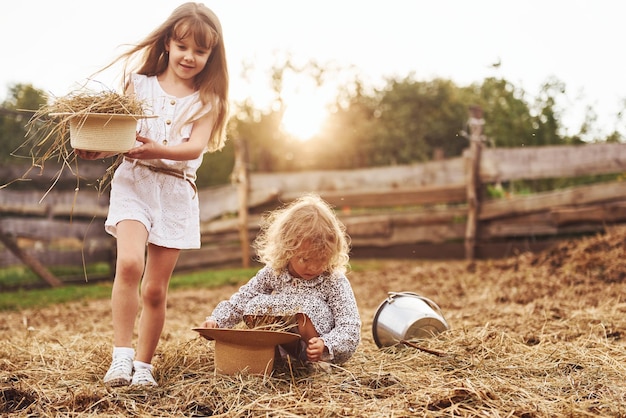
{"type": "Point", "coordinates": [165, 204]}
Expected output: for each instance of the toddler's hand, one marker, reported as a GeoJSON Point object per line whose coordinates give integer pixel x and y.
{"type": "Point", "coordinates": [209, 323]}
{"type": "Point", "coordinates": [315, 349]}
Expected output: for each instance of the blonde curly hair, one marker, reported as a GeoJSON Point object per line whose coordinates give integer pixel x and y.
{"type": "Point", "coordinates": [308, 219]}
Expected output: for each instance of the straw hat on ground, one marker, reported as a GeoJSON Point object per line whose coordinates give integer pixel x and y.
{"type": "Point", "coordinates": [245, 350]}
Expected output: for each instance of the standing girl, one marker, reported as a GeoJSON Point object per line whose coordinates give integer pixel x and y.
{"type": "Point", "coordinates": [305, 251]}
{"type": "Point", "coordinates": [183, 79]}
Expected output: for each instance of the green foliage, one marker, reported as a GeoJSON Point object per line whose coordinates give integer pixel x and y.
{"type": "Point", "coordinates": [508, 120]}
{"type": "Point", "coordinates": [17, 109]}
{"type": "Point", "coordinates": [495, 191]}
{"type": "Point", "coordinates": [544, 185]}
{"type": "Point", "coordinates": [266, 144]}
{"type": "Point", "coordinates": [411, 121]}
{"type": "Point", "coordinates": [615, 138]}
{"type": "Point", "coordinates": [216, 167]}
{"type": "Point", "coordinates": [405, 122]}
{"type": "Point", "coordinates": [347, 139]}
{"type": "Point", "coordinates": [417, 118]}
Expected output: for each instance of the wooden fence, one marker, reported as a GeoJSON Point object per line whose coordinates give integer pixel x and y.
{"type": "Point", "coordinates": [418, 210]}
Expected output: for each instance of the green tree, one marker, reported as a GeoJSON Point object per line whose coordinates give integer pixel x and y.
{"type": "Point", "coordinates": [216, 167]}
{"type": "Point", "coordinates": [264, 139]}
{"type": "Point", "coordinates": [418, 117]}
{"type": "Point", "coordinates": [346, 140]}
{"type": "Point", "coordinates": [16, 110]}
{"type": "Point", "coordinates": [548, 118]}
{"type": "Point", "coordinates": [406, 121]}
{"type": "Point", "coordinates": [507, 114]}
{"type": "Point", "coordinates": [403, 123]}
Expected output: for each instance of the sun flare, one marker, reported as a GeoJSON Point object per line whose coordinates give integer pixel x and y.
{"type": "Point", "coordinates": [303, 119]}
{"type": "Point", "coordinates": [305, 109]}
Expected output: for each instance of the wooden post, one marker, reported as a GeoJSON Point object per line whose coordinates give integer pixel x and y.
{"type": "Point", "coordinates": [240, 177]}
{"type": "Point", "coordinates": [29, 260]}
{"type": "Point", "coordinates": [475, 123]}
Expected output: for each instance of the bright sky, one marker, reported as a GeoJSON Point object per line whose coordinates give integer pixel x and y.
{"type": "Point", "coordinates": [56, 44]}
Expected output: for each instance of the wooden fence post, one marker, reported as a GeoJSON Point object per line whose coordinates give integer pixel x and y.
{"type": "Point", "coordinates": [240, 176]}
{"type": "Point", "coordinates": [475, 123]}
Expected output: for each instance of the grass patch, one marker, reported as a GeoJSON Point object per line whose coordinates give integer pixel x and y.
{"type": "Point", "coordinates": [212, 278]}
{"type": "Point", "coordinates": [23, 299]}
{"type": "Point", "coordinates": [15, 277]}
{"type": "Point", "coordinates": [36, 298]}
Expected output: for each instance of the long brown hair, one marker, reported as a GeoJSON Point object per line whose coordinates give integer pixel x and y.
{"type": "Point", "coordinates": [197, 20]}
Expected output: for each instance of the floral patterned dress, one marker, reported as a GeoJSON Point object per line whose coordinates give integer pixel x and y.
{"type": "Point", "coordinates": [328, 300]}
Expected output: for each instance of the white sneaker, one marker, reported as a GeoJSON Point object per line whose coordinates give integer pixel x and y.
{"type": "Point", "coordinates": [120, 373]}
{"type": "Point", "coordinates": [143, 377]}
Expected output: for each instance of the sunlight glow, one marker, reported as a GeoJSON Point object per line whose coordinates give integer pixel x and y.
{"type": "Point", "coordinates": [305, 108]}
{"type": "Point", "coordinates": [304, 118]}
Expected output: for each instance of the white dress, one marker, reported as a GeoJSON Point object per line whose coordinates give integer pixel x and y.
{"type": "Point", "coordinates": [328, 300]}
{"type": "Point", "coordinates": [165, 204]}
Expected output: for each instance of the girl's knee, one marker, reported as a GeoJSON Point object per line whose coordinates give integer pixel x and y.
{"type": "Point", "coordinates": [129, 267]}
{"type": "Point", "coordinates": [153, 295]}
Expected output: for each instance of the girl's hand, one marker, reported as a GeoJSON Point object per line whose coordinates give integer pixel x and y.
{"type": "Point", "coordinates": [315, 349]}
{"type": "Point", "coordinates": [92, 155]}
{"type": "Point", "coordinates": [148, 149]}
{"type": "Point", "coordinates": [209, 323]}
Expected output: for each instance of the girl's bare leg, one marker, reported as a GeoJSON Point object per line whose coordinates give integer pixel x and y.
{"type": "Point", "coordinates": [159, 267]}
{"type": "Point", "coordinates": [131, 247]}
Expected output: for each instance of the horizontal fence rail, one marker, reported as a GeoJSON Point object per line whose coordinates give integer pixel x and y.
{"type": "Point", "coordinates": [418, 210]}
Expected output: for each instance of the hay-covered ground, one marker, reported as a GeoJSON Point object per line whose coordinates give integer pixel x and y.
{"type": "Point", "coordinates": [531, 336]}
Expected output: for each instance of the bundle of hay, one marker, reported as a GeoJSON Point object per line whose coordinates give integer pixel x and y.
{"type": "Point", "coordinates": [91, 120]}
{"type": "Point", "coordinates": [94, 121]}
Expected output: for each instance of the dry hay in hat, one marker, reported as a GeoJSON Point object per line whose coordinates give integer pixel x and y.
{"type": "Point", "coordinates": [531, 336]}
{"type": "Point", "coordinates": [85, 102]}
{"type": "Point", "coordinates": [48, 136]}
{"type": "Point", "coordinates": [269, 322]}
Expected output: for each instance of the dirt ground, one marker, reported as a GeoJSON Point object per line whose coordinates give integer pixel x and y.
{"type": "Point", "coordinates": [534, 335]}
